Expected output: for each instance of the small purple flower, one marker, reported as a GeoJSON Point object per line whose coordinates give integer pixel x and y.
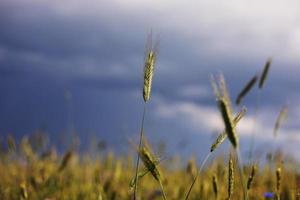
{"type": "Point", "coordinates": [268, 195]}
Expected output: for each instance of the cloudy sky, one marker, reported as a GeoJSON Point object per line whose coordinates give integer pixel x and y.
{"type": "Point", "coordinates": [80, 63]}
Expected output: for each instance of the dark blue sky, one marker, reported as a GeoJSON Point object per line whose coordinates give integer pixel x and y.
{"type": "Point", "coordinates": [94, 50]}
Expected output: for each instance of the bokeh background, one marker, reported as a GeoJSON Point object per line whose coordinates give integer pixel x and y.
{"type": "Point", "coordinates": [77, 66]}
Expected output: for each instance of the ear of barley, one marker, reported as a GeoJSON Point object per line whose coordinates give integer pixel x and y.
{"type": "Point", "coordinates": [149, 162]}
{"type": "Point", "coordinates": [278, 183]}
{"type": "Point", "coordinates": [278, 178]}
{"type": "Point", "coordinates": [141, 175]}
{"type": "Point", "coordinates": [240, 115]}
{"type": "Point", "coordinates": [219, 140]}
{"type": "Point", "coordinates": [246, 89]}
{"type": "Point", "coordinates": [224, 91]}
{"type": "Point", "coordinates": [11, 143]}
{"type": "Point", "coordinates": [264, 74]}
{"type": "Point", "coordinates": [148, 75]}
{"type": "Point", "coordinates": [219, 88]}
{"type": "Point", "coordinates": [215, 185]}
{"type": "Point", "coordinates": [222, 136]}
{"type": "Point", "coordinates": [251, 176]}
{"type": "Point", "coordinates": [228, 121]}
{"type": "Point", "coordinates": [150, 59]}
{"type": "Point", "coordinates": [23, 191]}
{"type": "Point", "coordinates": [230, 177]}
{"type": "Point", "coordinates": [224, 105]}
{"type": "Point", "coordinates": [281, 117]}
{"type": "Point", "coordinates": [65, 161]}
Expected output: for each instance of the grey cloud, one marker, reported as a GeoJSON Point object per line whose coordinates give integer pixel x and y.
{"type": "Point", "coordinates": [96, 50]}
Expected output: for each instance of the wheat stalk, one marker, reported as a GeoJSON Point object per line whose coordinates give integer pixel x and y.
{"type": "Point", "coordinates": [148, 76]}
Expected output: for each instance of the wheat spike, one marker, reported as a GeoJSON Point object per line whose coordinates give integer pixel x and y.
{"type": "Point", "coordinates": [264, 75]}
{"type": "Point", "coordinates": [229, 125]}
{"type": "Point", "coordinates": [150, 59]}
{"type": "Point", "coordinates": [281, 117]}
{"type": "Point", "coordinates": [148, 75]}
{"type": "Point", "coordinates": [23, 191]}
{"type": "Point", "coordinates": [278, 183]}
{"type": "Point", "coordinates": [215, 185]}
{"type": "Point", "coordinates": [246, 89]}
{"type": "Point", "coordinates": [278, 178]}
{"type": "Point", "coordinates": [65, 161]}
{"type": "Point", "coordinates": [142, 174]}
{"type": "Point", "coordinates": [224, 91]}
{"type": "Point", "coordinates": [251, 176]}
{"type": "Point", "coordinates": [149, 162]}
{"type": "Point", "coordinates": [11, 143]}
{"type": "Point", "coordinates": [224, 105]}
{"type": "Point", "coordinates": [222, 136]}
{"type": "Point", "coordinates": [230, 178]}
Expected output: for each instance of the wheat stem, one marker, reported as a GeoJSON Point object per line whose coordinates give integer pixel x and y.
{"type": "Point", "coordinates": [197, 174]}
{"type": "Point", "coordinates": [138, 158]}
{"type": "Point", "coordinates": [162, 190]}
{"type": "Point", "coordinates": [241, 172]}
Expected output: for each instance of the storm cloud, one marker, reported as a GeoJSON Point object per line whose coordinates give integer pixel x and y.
{"type": "Point", "coordinates": [95, 50]}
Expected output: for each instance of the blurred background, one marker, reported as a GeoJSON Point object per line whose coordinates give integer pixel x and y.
{"type": "Point", "coordinates": [73, 70]}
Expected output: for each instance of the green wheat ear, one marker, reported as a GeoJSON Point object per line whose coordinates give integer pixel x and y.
{"type": "Point", "coordinates": [230, 178]}
{"type": "Point", "coordinates": [251, 176]}
{"type": "Point", "coordinates": [150, 59]}
{"type": "Point", "coordinates": [148, 75]}
{"type": "Point", "coordinates": [222, 136]}
{"type": "Point", "coordinates": [224, 105]}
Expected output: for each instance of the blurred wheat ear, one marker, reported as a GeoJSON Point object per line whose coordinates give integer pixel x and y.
{"type": "Point", "coordinates": [11, 143]}
{"type": "Point", "coordinates": [280, 119]}
{"type": "Point", "coordinates": [230, 178]}
{"type": "Point", "coordinates": [215, 185]}
{"type": "Point", "coordinates": [278, 182]}
{"type": "Point", "coordinates": [65, 161]}
{"type": "Point", "coordinates": [264, 74]}
{"type": "Point", "coordinates": [251, 176]}
{"type": "Point", "coordinates": [246, 89]}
